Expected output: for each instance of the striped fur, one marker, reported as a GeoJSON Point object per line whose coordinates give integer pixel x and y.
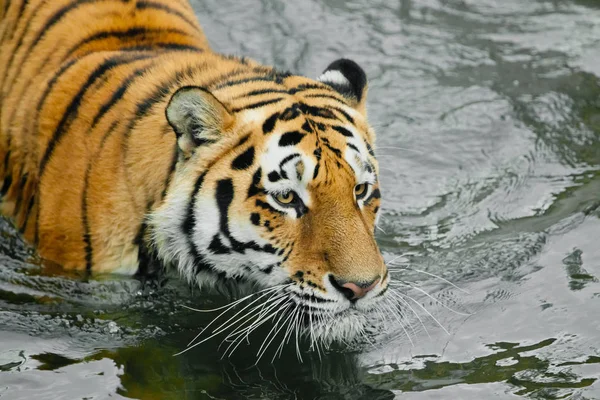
{"type": "Point", "coordinates": [105, 168]}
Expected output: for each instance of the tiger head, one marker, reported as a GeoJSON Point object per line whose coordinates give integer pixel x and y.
{"type": "Point", "coordinates": [277, 185]}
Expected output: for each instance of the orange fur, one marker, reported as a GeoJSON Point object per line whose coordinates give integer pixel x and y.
{"type": "Point", "coordinates": [87, 153]}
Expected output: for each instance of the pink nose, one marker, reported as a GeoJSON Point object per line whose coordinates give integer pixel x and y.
{"type": "Point", "coordinates": [353, 290]}
{"type": "Point", "coordinates": [359, 291]}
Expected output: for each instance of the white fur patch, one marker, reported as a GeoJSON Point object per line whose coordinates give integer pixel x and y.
{"type": "Point", "coordinates": [335, 77]}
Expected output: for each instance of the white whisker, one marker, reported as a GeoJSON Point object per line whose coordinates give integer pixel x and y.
{"type": "Point", "coordinates": [427, 311]}
{"type": "Point", "coordinates": [263, 348]}
{"type": "Point", "coordinates": [434, 276]}
{"type": "Point", "coordinates": [398, 148]}
{"type": "Point", "coordinates": [401, 323]}
{"type": "Point", "coordinates": [229, 306]}
{"type": "Point", "coordinates": [398, 297]}
{"type": "Point", "coordinates": [219, 329]}
{"type": "Point", "coordinates": [430, 296]}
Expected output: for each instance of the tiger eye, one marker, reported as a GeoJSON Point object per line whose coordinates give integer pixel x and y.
{"type": "Point", "coordinates": [360, 190]}
{"type": "Point", "coordinates": [286, 198]}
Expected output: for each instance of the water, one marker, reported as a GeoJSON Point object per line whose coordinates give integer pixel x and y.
{"type": "Point", "coordinates": [488, 115]}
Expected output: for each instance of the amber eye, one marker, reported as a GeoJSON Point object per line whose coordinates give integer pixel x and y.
{"type": "Point", "coordinates": [361, 190]}
{"type": "Point", "coordinates": [286, 198]}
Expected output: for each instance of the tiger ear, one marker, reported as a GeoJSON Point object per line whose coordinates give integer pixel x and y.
{"type": "Point", "coordinates": [348, 78]}
{"type": "Point", "coordinates": [197, 118]}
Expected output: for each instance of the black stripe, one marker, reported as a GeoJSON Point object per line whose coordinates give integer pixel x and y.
{"type": "Point", "coordinates": [159, 6]}
{"type": "Point", "coordinates": [259, 92]}
{"type": "Point", "coordinates": [376, 194]}
{"type": "Point", "coordinates": [255, 78]}
{"type": "Point", "coordinates": [126, 34]}
{"type": "Point", "coordinates": [190, 219]}
{"type": "Point", "coordinates": [87, 236]}
{"type": "Point", "coordinates": [244, 160]}
{"type": "Point", "coordinates": [317, 111]}
{"type": "Point", "coordinates": [306, 126]}
{"type": "Point", "coordinates": [163, 46]}
{"type": "Point", "coordinates": [72, 110]}
{"type": "Point", "coordinates": [230, 74]}
{"type": "Point", "coordinates": [308, 86]}
{"type": "Point", "coordinates": [6, 185]}
{"type": "Point", "coordinates": [254, 189]}
{"type": "Point", "coordinates": [291, 138]}
{"type": "Point", "coordinates": [266, 206]}
{"type": "Point", "coordinates": [149, 266]}
{"type": "Point", "coordinates": [27, 213]}
{"type": "Point", "coordinates": [274, 176]}
{"type": "Point", "coordinates": [370, 149]}
{"type": "Point", "coordinates": [344, 113]}
{"type": "Point", "coordinates": [326, 96]}
{"type": "Point", "coordinates": [118, 94]}
{"type": "Point", "coordinates": [316, 172]}
{"type": "Point", "coordinates": [243, 140]}
{"type": "Point", "coordinates": [343, 131]}
{"type": "Point", "coordinates": [257, 105]}
{"type": "Point", "coordinates": [171, 169]}
{"type": "Point", "coordinates": [224, 196]}
{"type": "Point", "coordinates": [290, 113]}
{"type": "Point", "coordinates": [217, 247]}
{"type": "Point", "coordinates": [337, 152]}
{"type": "Point", "coordinates": [22, 183]}
{"type": "Point", "coordinates": [353, 147]}
{"type": "Point", "coordinates": [288, 159]}
{"type": "Point", "coordinates": [269, 123]}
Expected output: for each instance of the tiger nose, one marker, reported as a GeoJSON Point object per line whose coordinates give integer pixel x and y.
{"type": "Point", "coordinates": [353, 290]}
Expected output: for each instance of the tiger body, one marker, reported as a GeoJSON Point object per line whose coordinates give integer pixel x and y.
{"type": "Point", "coordinates": [124, 139]}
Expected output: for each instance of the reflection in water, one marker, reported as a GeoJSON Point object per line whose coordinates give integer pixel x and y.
{"type": "Point", "coordinates": [489, 140]}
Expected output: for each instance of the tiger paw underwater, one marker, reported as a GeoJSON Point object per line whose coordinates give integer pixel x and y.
{"type": "Point", "coordinates": [128, 144]}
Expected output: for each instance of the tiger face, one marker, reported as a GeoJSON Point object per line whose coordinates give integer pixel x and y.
{"type": "Point", "coordinates": [282, 193]}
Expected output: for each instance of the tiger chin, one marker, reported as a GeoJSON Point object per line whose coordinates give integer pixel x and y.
{"type": "Point", "coordinates": [127, 141]}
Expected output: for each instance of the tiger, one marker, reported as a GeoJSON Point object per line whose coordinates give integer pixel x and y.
{"type": "Point", "coordinates": [127, 144]}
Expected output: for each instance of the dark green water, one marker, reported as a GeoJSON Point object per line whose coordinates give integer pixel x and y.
{"type": "Point", "coordinates": [496, 108]}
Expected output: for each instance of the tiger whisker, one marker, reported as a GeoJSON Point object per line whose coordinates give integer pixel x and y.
{"type": "Point", "coordinates": [398, 297]}
{"type": "Point", "coordinates": [221, 327]}
{"type": "Point", "coordinates": [298, 326]}
{"type": "Point", "coordinates": [230, 306]}
{"type": "Point", "coordinates": [244, 334]}
{"type": "Point", "coordinates": [263, 348]}
{"type": "Point", "coordinates": [241, 333]}
{"type": "Point", "coordinates": [287, 332]}
{"type": "Point", "coordinates": [426, 311]}
{"type": "Point", "coordinates": [388, 263]}
{"type": "Point", "coordinates": [397, 148]}
{"type": "Point", "coordinates": [432, 275]}
{"type": "Point", "coordinates": [396, 316]}
{"type": "Point", "coordinates": [241, 319]}
{"type": "Point", "coordinates": [430, 296]}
